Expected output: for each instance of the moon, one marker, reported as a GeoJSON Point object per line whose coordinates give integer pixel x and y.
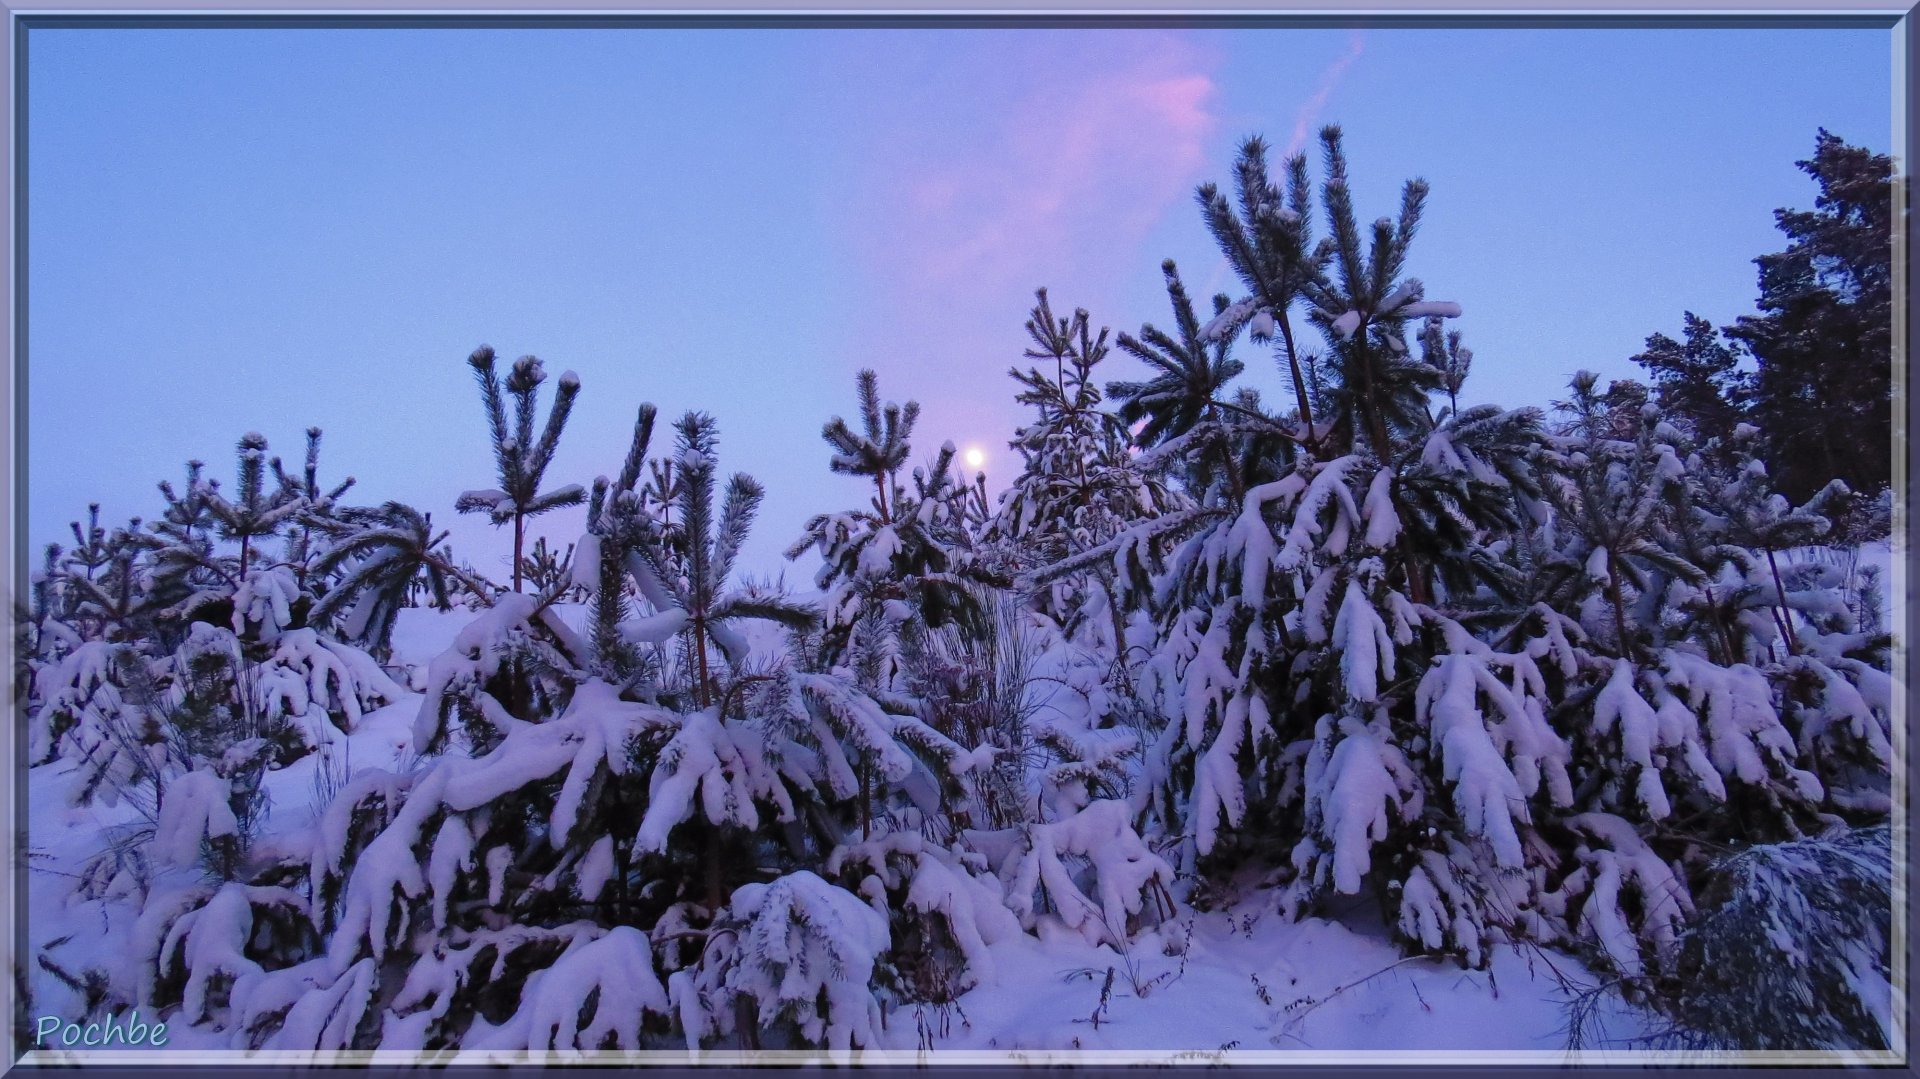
{"type": "Point", "coordinates": [976, 457]}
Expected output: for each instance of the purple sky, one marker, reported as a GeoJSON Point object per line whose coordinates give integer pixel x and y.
{"type": "Point", "coordinates": [240, 230]}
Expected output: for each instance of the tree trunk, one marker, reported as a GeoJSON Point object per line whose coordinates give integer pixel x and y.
{"type": "Point", "coordinates": [1299, 382]}
{"type": "Point", "coordinates": [700, 650]}
{"type": "Point", "coordinates": [866, 802]}
{"type": "Point", "coordinates": [1119, 628]}
{"type": "Point", "coordinates": [1785, 614]}
{"type": "Point", "coordinates": [622, 863]}
{"type": "Point", "coordinates": [1720, 628]}
{"type": "Point", "coordinates": [1619, 604]}
{"type": "Point", "coordinates": [1416, 571]}
{"type": "Point", "coordinates": [519, 536]}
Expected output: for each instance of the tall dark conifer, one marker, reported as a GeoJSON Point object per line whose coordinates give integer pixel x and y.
{"type": "Point", "coordinates": [1696, 381]}
{"type": "Point", "coordinates": [1823, 338]}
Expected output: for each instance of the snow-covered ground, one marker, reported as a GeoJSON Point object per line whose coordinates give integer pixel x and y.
{"type": "Point", "coordinates": [1244, 979]}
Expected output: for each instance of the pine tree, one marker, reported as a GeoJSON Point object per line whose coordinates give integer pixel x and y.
{"type": "Point", "coordinates": [1550, 700]}
{"type": "Point", "coordinates": [183, 562]}
{"type": "Point", "coordinates": [1191, 371]}
{"type": "Point", "coordinates": [545, 568]}
{"type": "Point", "coordinates": [117, 597]}
{"type": "Point", "coordinates": [1442, 350]}
{"type": "Point", "coordinates": [693, 578]}
{"type": "Point", "coordinates": [1078, 487]}
{"type": "Point", "coordinates": [1266, 239]}
{"type": "Point", "coordinates": [1791, 925]}
{"type": "Point", "coordinates": [1578, 684]}
{"type": "Point", "coordinates": [320, 504]}
{"type": "Point", "coordinates": [1363, 307]}
{"type": "Point", "coordinates": [520, 458]}
{"type": "Point", "coordinates": [255, 512]}
{"type": "Point", "coordinates": [1750, 516]}
{"type": "Point", "coordinates": [901, 559]}
{"type": "Point", "coordinates": [382, 556]}
{"type": "Point", "coordinates": [1608, 509]}
{"type": "Point", "coordinates": [1823, 338]}
{"type": "Point", "coordinates": [1698, 381]}
{"type": "Point", "coordinates": [187, 511]}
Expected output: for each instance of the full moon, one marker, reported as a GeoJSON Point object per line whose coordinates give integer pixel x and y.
{"type": "Point", "coordinates": [976, 457]}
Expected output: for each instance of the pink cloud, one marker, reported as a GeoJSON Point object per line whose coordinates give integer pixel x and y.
{"type": "Point", "coordinates": [1092, 152]}
{"type": "Point", "coordinates": [1052, 164]}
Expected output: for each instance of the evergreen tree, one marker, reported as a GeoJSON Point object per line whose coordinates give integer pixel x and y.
{"type": "Point", "coordinates": [383, 556]}
{"type": "Point", "coordinates": [1791, 925]}
{"type": "Point", "coordinates": [1590, 685]}
{"type": "Point", "coordinates": [1698, 381]}
{"type": "Point", "coordinates": [319, 502]}
{"type": "Point", "coordinates": [547, 569]}
{"type": "Point", "coordinates": [1442, 351]}
{"type": "Point", "coordinates": [1078, 487]}
{"type": "Point", "coordinates": [539, 876]}
{"type": "Point", "coordinates": [1395, 727]}
{"type": "Point", "coordinates": [693, 577]}
{"type": "Point", "coordinates": [1608, 500]}
{"type": "Point", "coordinates": [1190, 372]}
{"type": "Point", "coordinates": [1823, 338]}
{"type": "Point", "coordinates": [902, 563]}
{"type": "Point", "coordinates": [187, 512]}
{"type": "Point", "coordinates": [520, 458]}
{"type": "Point", "coordinates": [1363, 307]}
{"type": "Point", "coordinates": [255, 511]}
{"type": "Point", "coordinates": [1267, 239]}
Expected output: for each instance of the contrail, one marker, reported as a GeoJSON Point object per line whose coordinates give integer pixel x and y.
{"type": "Point", "coordinates": [1309, 114]}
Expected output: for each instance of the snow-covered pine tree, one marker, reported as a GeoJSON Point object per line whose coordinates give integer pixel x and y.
{"type": "Point", "coordinates": [110, 599]}
{"type": "Point", "coordinates": [710, 538]}
{"type": "Point", "coordinates": [1443, 351]}
{"type": "Point", "coordinates": [380, 556]}
{"type": "Point", "coordinates": [1267, 239]}
{"type": "Point", "coordinates": [898, 573]}
{"type": "Point", "coordinates": [256, 511]}
{"type": "Point", "coordinates": [1608, 494]}
{"type": "Point", "coordinates": [1514, 683]}
{"type": "Point", "coordinates": [1796, 621]}
{"type": "Point", "coordinates": [1753, 516]}
{"type": "Point", "coordinates": [187, 577]}
{"type": "Point", "coordinates": [184, 562]}
{"type": "Point", "coordinates": [1078, 487]}
{"type": "Point", "coordinates": [1412, 651]}
{"type": "Point", "coordinates": [1793, 950]}
{"type": "Point", "coordinates": [900, 565]}
{"type": "Point", "coordinates": [1281, 535]}
{"type": "Point", "coordinates": [187, 676]}
{"type": "Point", "coordinates": [575, 860]}
{"type": "Point", "coordinates": [320, 504]}
{"type": "Point", "coordinates": [520, 458]}
{"type": "Point", "coordinates": [187, 512]}
{"type": "Point", "coordinates": [43, 634]}
{"type": "Point", "coordinates": [149, 608]}
{"type": "Point", "coordinates": [1686, 736]}
{"type": "Point", "coordinates": [1191, 371]}
{"type": "Point", "coordinates": [545, 568]}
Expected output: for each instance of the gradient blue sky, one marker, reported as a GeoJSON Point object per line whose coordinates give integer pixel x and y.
{"type": "Point", "coordinates": [236, 230]}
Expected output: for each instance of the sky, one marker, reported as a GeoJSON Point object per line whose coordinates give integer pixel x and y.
{"type": "Point", "coordinates": [265, 230]}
